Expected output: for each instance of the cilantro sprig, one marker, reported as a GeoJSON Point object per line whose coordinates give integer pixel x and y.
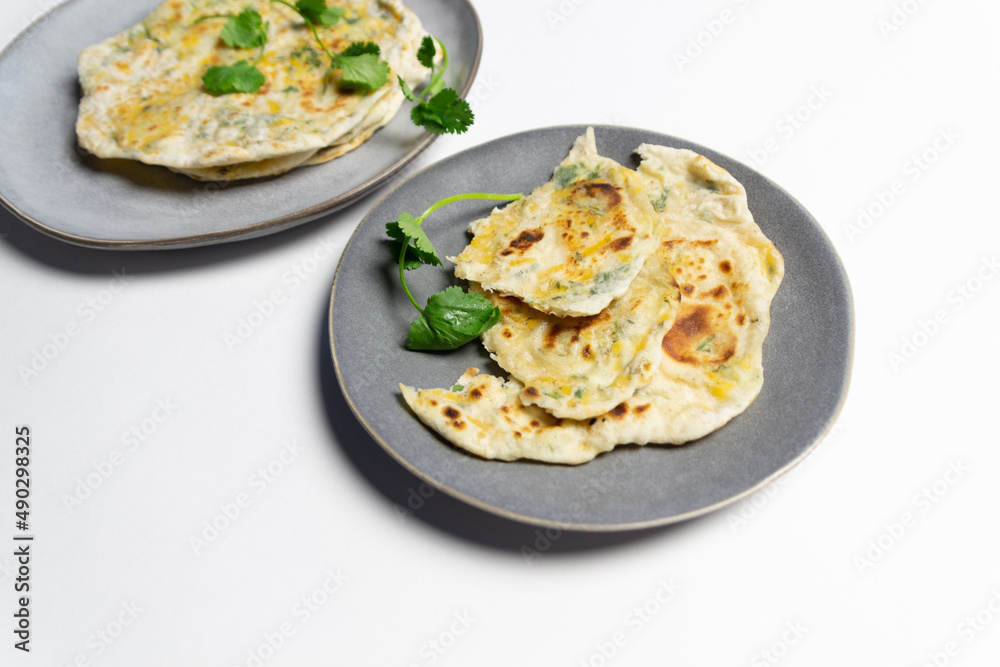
{"type": "Point", "coordinates": [246, 30]}
{"type": "Point", "coordinates": [437, 109]}
{"type": "Point", "coordinates": [452, 317]}
{"type": "Point", "coordinates": [359, 64]}
{"type": "Point", "coordinates": [316, 12]}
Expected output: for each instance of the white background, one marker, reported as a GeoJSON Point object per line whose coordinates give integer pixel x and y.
{"type": "Point", "coordinates": [879, 549]}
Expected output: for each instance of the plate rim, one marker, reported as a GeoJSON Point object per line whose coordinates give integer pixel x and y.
{"type": "Point", "coordinates": [256, 229]}
{"type": "Point", "coordinates": [585, 526]}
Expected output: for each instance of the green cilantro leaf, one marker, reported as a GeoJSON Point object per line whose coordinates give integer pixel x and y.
{"type": "Point", "coordinates": [410, 226]}
{"type": "Point", "coordinates": [363, 70]}
{"type": "Point", "coordinates": [245, 30]}
{"type": "Point", "coordinates": [426, 52]}
{"type": "Point", "coordinates": [407, 91]}
{"type": "Point", "coordinates": [361, 48]}
{"type": "Point", "coordinates": [445, 112]}
{"type": "Point", "coordinates": [451, 319]}
{"type": "Point", "coordinates": [240, 77]}
{"type": "Point", "coordinates": [316, 11]}
{"type": "Point", "coordinates": [415, 257]}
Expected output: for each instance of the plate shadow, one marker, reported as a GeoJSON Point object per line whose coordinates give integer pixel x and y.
{"type": "Point", "coordinates": [81, 260]}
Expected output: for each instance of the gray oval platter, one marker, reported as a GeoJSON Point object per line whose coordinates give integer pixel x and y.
{"type": "Point", "coordinates": [60, 190]}
{"type": "Point", "coordinates": [807, 355]}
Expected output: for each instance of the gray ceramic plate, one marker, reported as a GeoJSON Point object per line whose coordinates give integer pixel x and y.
{"type": "Point", "coordinates": [55, 187]}
{"type": "Point", "coordinates": [807, 355]}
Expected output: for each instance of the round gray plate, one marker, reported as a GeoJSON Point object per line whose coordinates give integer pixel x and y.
{"type": "Point", "coordinates": [807, 355]}
{"type": "Point", "coordinates": [51, 184]}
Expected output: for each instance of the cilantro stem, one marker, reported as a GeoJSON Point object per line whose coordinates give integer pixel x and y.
{"type": "Point", "coordinates": [468, 195]}
{"type": "Point", "coordinates": [437, 77]}
{"type": "Point", "coordinates": [312, 26]}
{"type": "Point", "coordinates": [423, 216]}
{"type": "Point", "coordinates": [214, 16]}
{"type": "Point", "coordinates": [402, 278]}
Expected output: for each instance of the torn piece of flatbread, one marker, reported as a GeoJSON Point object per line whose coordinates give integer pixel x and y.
{"type": "Point", "coordinates": [573, 244]}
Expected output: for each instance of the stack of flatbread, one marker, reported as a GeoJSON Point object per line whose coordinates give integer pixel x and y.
{"type": "Point", "coordinates": [143, 97]}
{"type": "Point", "coordinates": [634, 306]}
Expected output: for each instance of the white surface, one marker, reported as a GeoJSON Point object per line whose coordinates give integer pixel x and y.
{"type": "Point", "coordinates": [448, 585]}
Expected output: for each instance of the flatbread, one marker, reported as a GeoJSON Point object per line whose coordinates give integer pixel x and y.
{"type": "Point", "coordinates": [683, 185]}
{"type": "Point", "coordinates": [487, 418]}
{"type": "Point", "coordinates": [581, 367]}
{"type": "Point", "coordinates": [144, 99]}
{"type": "Point", "coordinates": [573, 244]}
{"type": "Point", "coordinates": [712, 366]}
{"type": "Point", "coordinates": [383, 111]}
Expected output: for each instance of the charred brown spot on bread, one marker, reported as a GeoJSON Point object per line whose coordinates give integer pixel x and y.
{"type": "Point", "coordinates": [621, 243]}
{"type": "Point", "coordinates": [459, 425]}
{"type": "Point", "coordinates": [587, 352]}
{"type": "Point", "coordinates": [688, 289]}
{"type": "Point", "coordinates": [552, 334]}
{"type": "Point", "coordinates": [451, 413]}
{"type": "Point", "coordinates": [619, 221]}
{"type": "Point", "coordinates": [740, 319]}
{"type": "Point", "coordinates": [535, 423]}
{"type": "Point", "coordinates": [719, 292]}
{"type": "Point", "coordinates": [506, 333]}
{"type": "Point", "coordinates": [619, 411]}
{"type": "Point", "coordinates": [584, 234]}
{"type": "Point", "coordinates": [688, 340]}
{"type": "Point", "coordinates": [639, 409]}
{"type": "Point", "coordinates": [703, 277]}
{"type": "Point", "coordinates": [725, 266]}
{"type": "Point", "coordinates": [574, 326]}
{"type": "Point", "coordinates": [475, 393]}
{"type": "Point", "coordinates": [525, 240]}
{"type": "Point", "coordinates": [607, 194]}
{"type": "Point", "coordinates": [532, 391]}
{"type": "Point", "coordinates": [506, 251]}
{"type": "Point", "coordinates": [517, 434]}
{"type": "Point", "coordinates": [504, 408]}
